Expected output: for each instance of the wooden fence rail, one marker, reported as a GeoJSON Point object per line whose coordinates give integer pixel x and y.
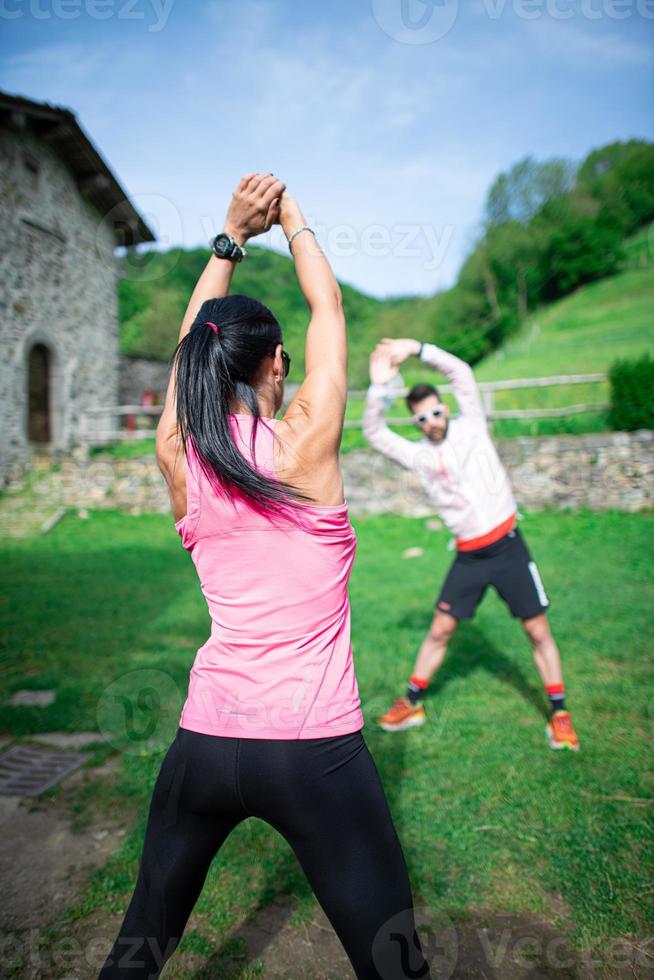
{"type": "Point", "coordinates": [101, 434]}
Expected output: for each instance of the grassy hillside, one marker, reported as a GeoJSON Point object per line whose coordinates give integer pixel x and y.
{"type": "Point", "coordinates": [582, 333]}
{"type": "Point", "coordinates": [154, 293]}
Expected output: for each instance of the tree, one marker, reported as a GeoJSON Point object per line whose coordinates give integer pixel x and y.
{"type": "Point", "coordinates": [599, 162]}
{"type": "Point", "coordinates": [580, 250]}
{"type": "Point", "coordinates": [620, 177]}
{"type": "Point", "coordinates": [519, 194]}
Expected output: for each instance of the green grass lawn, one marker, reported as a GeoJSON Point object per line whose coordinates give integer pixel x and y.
{"type": "Point", "coordinates": [489, 817]}
{"type": "Point", "coordinates": [127, 449]}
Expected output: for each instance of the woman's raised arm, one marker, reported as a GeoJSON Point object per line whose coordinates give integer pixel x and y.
{"type": "Point", "coordinates": [319, 405]}
{"type": "Point", "coordinates": [254, 208]}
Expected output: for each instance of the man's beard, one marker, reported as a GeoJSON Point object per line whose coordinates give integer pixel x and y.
{"type": "Point", "coordinates": [440, 438]}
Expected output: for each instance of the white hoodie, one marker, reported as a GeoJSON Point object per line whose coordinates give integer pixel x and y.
{"type": "Point", "coordinates": [462, 474]}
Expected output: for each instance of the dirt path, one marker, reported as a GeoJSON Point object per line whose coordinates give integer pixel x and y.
{"type": "Point", "coordinates": [487, 946]}
{"type": "Point", "coordinates": [45, 864]}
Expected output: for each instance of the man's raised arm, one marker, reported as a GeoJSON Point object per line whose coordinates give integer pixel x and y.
{"type": "Point", "coordinates": [375, 430]}
{"type": "Point", "coordinates": [460, 376]}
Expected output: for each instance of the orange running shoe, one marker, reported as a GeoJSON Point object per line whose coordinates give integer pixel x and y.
{"type": "Point", "coordinates": [560, 733]}
{"type": "Point", "coordinates": [402, 715]}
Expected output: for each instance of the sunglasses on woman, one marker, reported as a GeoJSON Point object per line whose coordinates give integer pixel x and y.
{"type": "Point", "coordinates": [286, 361]}
{"type": "Point", "coordinates": [425, 416]}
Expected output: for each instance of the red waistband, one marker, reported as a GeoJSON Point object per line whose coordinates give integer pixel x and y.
{"type": "Point", "coordinates": [469, 544]}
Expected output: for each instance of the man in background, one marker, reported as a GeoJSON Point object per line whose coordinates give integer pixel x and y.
{"type": "Point", "coordinates": [465, 480]}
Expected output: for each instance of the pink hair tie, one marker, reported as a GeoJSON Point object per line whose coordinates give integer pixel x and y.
{"type": "Point", "coordinates": [212, 325]}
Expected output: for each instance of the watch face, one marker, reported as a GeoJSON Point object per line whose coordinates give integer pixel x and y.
{"type": "Point", "coordinates": [221, 244]}
{"type": "Point", "coordinates": [224, 247]}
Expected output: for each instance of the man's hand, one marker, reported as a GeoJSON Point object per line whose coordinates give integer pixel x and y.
{"type": "Point", "coordinates": [399, 350]}
{"type": "Point", "coordinates": [254, 207]}
{"type": "Point", "coordinates": [381, 366]}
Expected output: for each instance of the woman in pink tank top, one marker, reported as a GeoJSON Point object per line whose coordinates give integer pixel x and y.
{"type": "Point", "coordinates": [278, 662]}
{"type": "Point", "coordinates": [272, 723]}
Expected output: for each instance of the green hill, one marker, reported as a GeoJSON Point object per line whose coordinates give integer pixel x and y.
{"type": "Point", "coordinates": [154, 291]}
{"type": "Point", "coordinates": [586, 331]}
{"type": "Point", "coordinates": [549, 228]}
{"type": "Point", "coordinates": [582, 333]}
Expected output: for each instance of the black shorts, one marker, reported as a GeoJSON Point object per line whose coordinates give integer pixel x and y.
{"type": "Point", "coordinates": [508, 566]}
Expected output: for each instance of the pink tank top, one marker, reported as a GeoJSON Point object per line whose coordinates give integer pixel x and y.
{"type": "Point", "coordinates": [278, 662]}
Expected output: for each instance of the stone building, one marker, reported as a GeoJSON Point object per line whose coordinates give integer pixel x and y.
{"type": "Point", "coordinates": [63, 214]}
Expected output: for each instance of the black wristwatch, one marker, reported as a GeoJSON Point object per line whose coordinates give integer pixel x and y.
{"type": "Point", "coordinates": [224, 246]}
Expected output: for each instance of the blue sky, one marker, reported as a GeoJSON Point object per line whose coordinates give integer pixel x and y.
{"type": "Point", "coordinates": [387, 119]}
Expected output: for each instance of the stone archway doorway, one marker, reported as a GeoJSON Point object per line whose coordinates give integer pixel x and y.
{"type": "Point", "coordinates": [39, 383]}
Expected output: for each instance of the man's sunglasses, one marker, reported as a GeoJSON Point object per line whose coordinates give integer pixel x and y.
{"type": "Point", "coordinates": [286, 361]}
{"type": "Point", "coordinates": [425, 416]}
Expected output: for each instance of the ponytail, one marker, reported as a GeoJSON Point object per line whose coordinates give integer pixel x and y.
{"type": "Point", "coordinates": [215, 362]}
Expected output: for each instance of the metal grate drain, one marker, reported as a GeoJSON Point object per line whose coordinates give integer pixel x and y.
{"type": "Point", "coordinates": [26, 770]}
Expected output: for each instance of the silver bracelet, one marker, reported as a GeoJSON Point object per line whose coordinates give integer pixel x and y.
{"type": "Point", "coordinates": [297, 232]}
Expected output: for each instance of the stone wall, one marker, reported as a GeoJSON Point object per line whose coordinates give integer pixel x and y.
{"type": "Point", "coordinates": [57, 289]}
{"type": "Point", "coordinates": [138, 373]}
{"type": "Point", "coordinates": [604, 471]}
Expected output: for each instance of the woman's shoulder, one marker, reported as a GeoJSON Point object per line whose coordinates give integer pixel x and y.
{"type": "Point", "coordinates": [303, 462]}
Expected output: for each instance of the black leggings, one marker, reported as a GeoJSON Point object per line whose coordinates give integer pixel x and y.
{"type": "Point", "coordinates": [324, 795]}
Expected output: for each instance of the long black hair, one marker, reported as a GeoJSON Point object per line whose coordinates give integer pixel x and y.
{"type": "Point", "coordinates": [214, 369]}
